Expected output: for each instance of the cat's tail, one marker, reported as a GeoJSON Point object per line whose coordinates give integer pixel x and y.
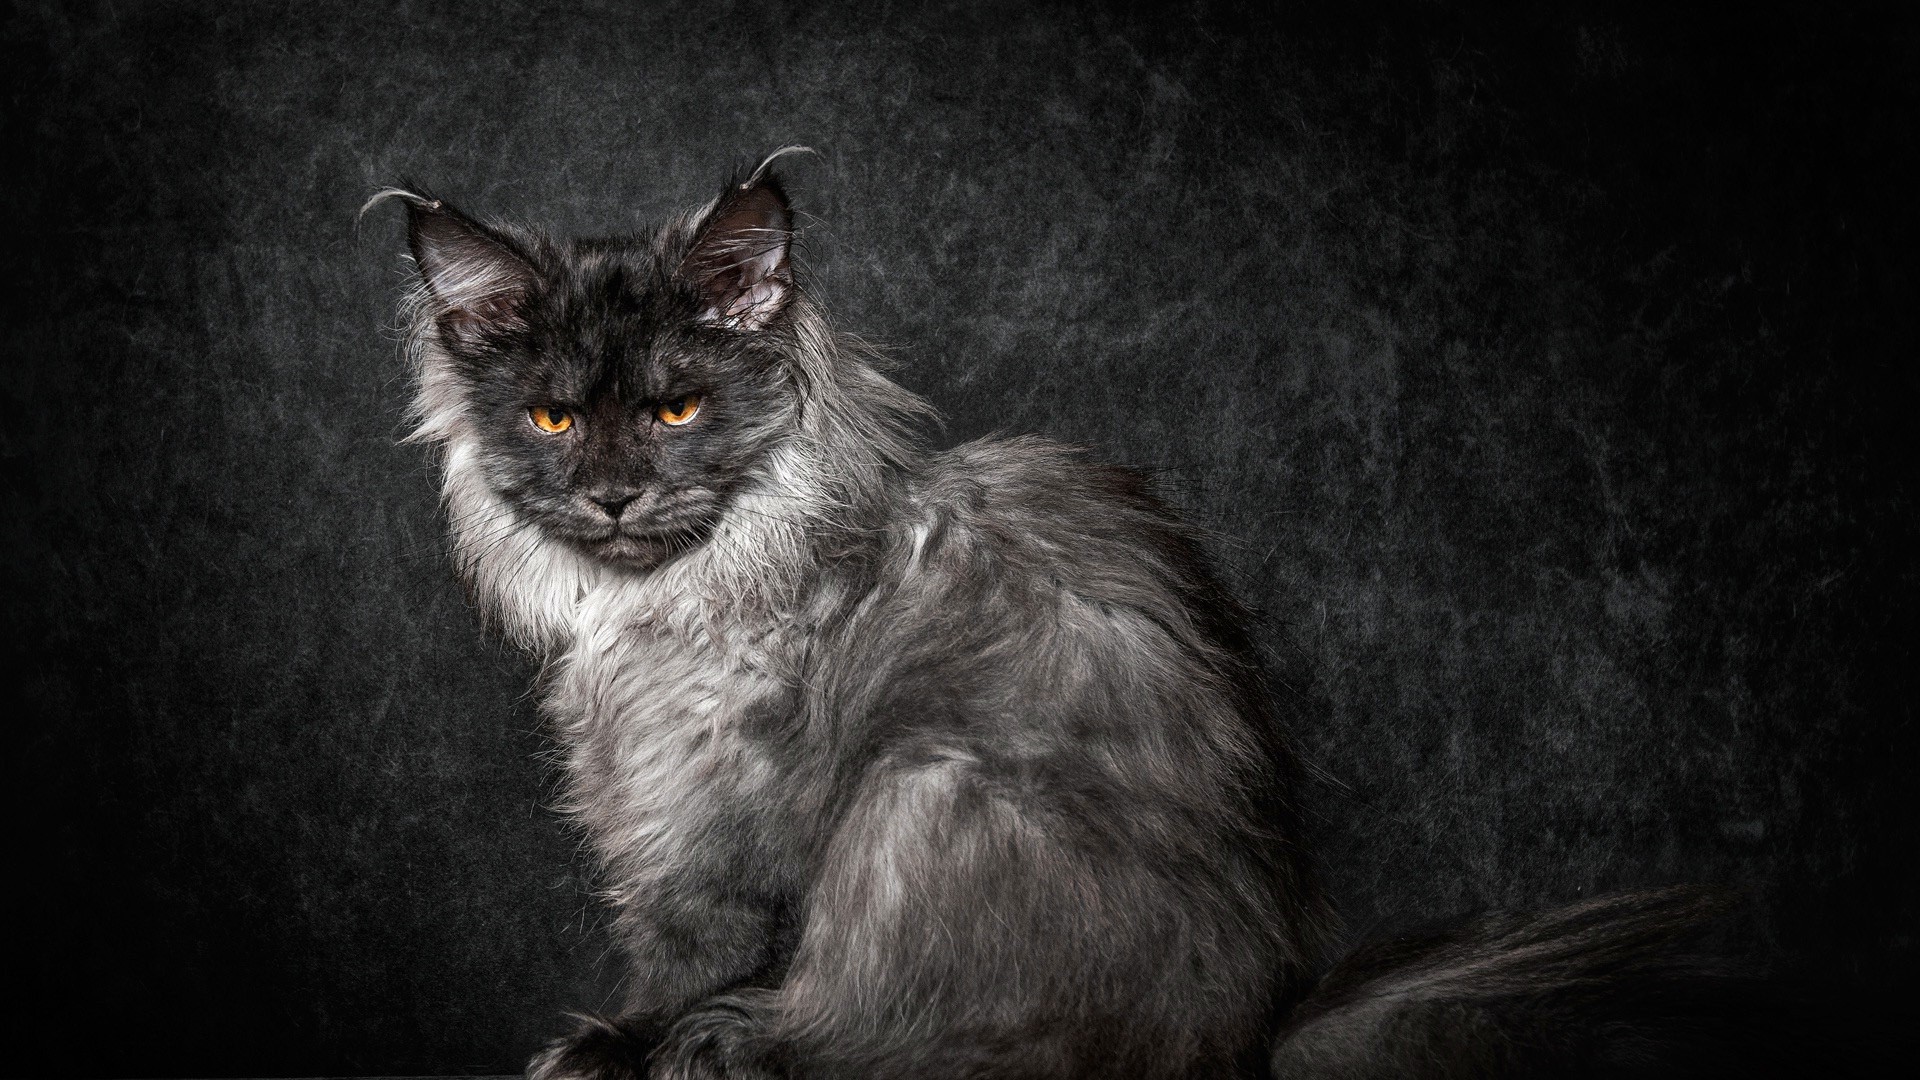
{"type": "Point", "coordinates": [1613, 987]}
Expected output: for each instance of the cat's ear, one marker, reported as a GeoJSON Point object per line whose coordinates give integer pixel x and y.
{"type": "Point", "coordinates": [738, 267]}
{"type": "Point", "coordinates": [478, 281]}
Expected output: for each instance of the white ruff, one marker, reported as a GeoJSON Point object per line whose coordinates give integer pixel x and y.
{"type": "Point", "coordinates": [647, 672]}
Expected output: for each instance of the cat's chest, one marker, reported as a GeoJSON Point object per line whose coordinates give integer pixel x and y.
{"type": "Point", "coordinates": [664, 724]}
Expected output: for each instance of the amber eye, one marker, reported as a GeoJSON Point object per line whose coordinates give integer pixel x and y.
{"type": "Point", "coordinates": [679, 410]}
{"type": "Point", "coordinates": [549, 419]}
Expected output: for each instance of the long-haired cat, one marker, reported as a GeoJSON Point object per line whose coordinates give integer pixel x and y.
{"type": "Point", "coordinates": [902, 763]}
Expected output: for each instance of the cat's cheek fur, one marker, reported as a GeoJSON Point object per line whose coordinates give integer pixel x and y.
{"type": "Point", "coordinates": [523, 581]}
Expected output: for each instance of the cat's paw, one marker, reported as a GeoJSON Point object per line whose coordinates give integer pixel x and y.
{"type": "Point", "coordinates": [723, 1038]}
{"type": "Point", "coordinates": [598, 1049]}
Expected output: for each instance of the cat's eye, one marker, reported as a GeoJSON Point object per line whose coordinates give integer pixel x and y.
{"type": "Point", "coordinates": [549, 419]}
{"type": "Point", "coordinates": [679, 410]}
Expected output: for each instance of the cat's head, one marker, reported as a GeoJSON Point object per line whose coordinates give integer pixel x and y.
{"type": "Point", "coordinates": [618, 395]}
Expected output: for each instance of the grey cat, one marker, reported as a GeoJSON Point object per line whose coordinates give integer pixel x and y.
{"type": "Point", "coordinates": [909, 763]}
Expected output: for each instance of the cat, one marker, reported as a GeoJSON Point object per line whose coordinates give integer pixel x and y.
{"type": "Point", "coordinates": [899, 762]}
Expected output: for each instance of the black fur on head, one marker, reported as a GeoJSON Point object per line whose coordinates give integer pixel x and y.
{"type": "Point", "coordinates": [659, 360]}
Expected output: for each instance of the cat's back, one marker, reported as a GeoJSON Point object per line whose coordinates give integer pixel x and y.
{"type": "Point", "coordinates": [1056, 772]}
{"type": "Point", "coordinates": [1043, 608]}
{"type": "Point", "coordinates": [1036, 513]}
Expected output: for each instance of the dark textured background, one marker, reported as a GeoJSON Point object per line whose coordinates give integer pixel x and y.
{"type": "Point", "coordinates": [1546, 377]}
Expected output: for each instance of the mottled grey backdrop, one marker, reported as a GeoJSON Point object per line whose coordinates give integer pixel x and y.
{"type": "Point", "coordinates": [1545, 379]}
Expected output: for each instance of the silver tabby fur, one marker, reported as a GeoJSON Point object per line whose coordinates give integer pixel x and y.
{"type": "Point", "coordinates": [894, 762]}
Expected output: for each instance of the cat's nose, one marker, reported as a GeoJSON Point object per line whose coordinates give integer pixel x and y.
{"type": "Point", "coordinates": [613, 502]}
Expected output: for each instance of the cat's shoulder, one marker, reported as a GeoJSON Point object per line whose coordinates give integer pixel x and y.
{"type": "Point", "coordinates": [1054, 509]}
{"type": "Point", "coordinates": [1034, 477]}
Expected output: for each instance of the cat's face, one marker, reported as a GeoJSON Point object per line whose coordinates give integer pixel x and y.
{"type": "Point", "coordinates": [617, 394]}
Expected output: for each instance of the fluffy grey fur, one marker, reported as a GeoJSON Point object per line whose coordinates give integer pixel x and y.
{"type": "Point", "coordinates": [895, 763]}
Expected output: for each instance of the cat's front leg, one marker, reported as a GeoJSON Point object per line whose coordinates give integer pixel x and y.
{"type": "Point", "coordinates": [687, 937]}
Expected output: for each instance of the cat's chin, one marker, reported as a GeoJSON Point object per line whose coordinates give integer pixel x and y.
{"type": "Point", "coordinates": [643, 552]}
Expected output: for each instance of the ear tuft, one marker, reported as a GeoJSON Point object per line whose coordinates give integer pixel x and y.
{"type": "Point", "coordinates": [738, 267]}
{"type": "Point", "coordinates": [478, 281]}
